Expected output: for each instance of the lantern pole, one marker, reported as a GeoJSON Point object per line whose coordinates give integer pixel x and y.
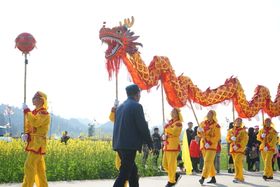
{"type": "Point", "coordinates": [25, 42]}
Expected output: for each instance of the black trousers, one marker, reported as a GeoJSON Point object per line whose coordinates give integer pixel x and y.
{"type": "Point", "coordinates": [156, 155]}
{"type": "Point", "coordinates": [195, 162]}
{"type": "Point", "coordinates": [278, 162]}
{"type": "Point", "coordinates": [128, 170]}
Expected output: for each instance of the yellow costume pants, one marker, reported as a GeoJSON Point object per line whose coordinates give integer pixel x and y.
{"type": "Point", "coordinates": [267, 159]}
{"type": "Point", "coordinates": [35, 170]}
{"type": "Point", "coordinates": [238, 165]}
{"type": "Point", "coordinates": [169, 163]}
{"type": "Point", "coordinates": [118, 165]}
{"type": "Point", "coordinates": [208, 168]}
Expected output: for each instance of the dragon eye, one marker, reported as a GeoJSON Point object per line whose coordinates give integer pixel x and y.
{"type": "Point", "coordinates": [119, 31]}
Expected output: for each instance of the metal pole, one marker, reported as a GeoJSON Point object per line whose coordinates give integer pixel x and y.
{"type": "Point", "coordinates": [194, 112]}
{"type": "Point", "coordinates": [24, 99]}
{"type": "Point", "coordinates": [233, 112]}
{"type": "Point", "coordinates": [117, 86]}
{"type": "Point", "coordinates": [262, 117]}
{"type": "Point", "coordinates": [162, 104]}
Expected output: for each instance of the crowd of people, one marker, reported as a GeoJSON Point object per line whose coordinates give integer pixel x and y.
{"type": "Point", "coordinates": [131, 134]}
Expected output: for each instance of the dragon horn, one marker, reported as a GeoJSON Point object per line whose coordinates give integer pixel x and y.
{"type": "Point", "coordinates": [127, 22]}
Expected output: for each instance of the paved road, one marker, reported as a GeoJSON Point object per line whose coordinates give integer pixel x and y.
{"type": "Point", "coordinates": [223, 180]}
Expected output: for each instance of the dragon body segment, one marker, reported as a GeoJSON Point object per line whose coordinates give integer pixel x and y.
{"type": "Point", "coordinates": [179, 90]}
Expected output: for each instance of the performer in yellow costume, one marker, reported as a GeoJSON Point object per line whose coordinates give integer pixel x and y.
{"type": "Point", "coordinates": [268, 138]}
{"type": "Point", "coordinates": [238, 139]}
{"type": "Point", "coordinates": [112, 119]}
{"type": "Point", "coordinates": [171, 148]}
{"type": "Point", "coordinates": [210, 133]}
{"type": "Point", "coordinates": [37, 124]}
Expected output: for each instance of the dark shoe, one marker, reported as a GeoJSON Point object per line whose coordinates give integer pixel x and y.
{"type": "Point", "coordinates": [201, 181]}
{"type": "Point", "coordinates": [169, 184]}
{"type": "Point", "coordinates": [237, 181]}
{"type": "Point", "coordinates": [177, 177]}
{"type": "Point", "coordinates": [212, 181]}
{"type": "Point", "coordinates": [229, 170]}
{"type": "Point", "coordinates": [264, 177]}
{"type": "Point", "coordinates": [269, 178]}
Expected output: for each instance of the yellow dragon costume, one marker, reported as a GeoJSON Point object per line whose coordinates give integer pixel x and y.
{"type": "Point", "coordinates": [37, 126]}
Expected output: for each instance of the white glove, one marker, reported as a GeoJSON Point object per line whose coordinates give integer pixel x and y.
{"type": "Point", "coordinates": [24, 137]}
{"type": "Point", "coordinates": [235, 147]}
{"type": "Point", "coordinates": [207, 145]}
{"type": "Point", "coordinates": [265, 149]}
{"type": "Point", "coordinates": [263, 135]}
{"type": "Point", "coordinates": [200, 129]}
{"type": "Point", "coordinates": [233, 138]}
{"type": "Point", "coordinates": [116, 103]}
{"type": "Point", "coordinates": [163, 137]}
{"type": "Point", "coordinates": [24, 106]}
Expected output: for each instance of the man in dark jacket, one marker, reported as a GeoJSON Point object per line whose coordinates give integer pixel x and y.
{"type": "Point", "coordinates": [190, 132]}
{"type": "Point", "coordinates": [156, 145]}
{"type": "Point", "coordinates": [130, 133]}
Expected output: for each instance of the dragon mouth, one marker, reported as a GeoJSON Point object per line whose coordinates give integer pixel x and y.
{"type": "Point", "coordinates": [113, 45]}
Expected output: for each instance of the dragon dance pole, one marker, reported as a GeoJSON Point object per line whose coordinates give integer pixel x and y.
{"type": "Point", "coordinates": [233, 112]}
{"type": "Point", "coordinates": [162, 104]}
{"type": "Point", "coordinates": [262, 117]}
{"type": "Point", "coordinates": [117, 86]}
{"type": "Point", "coordinates": [193, 112]}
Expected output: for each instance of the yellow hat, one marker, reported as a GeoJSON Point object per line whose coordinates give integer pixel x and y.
{"type": "Point", "coordinates": [44, 97]}
{"type": "Point", "coordinates": [242, 124]}
{"type": "Point", "coordinates": [214, 115]}
{"type": "Point", "coordinates": [271, 124]}
{"type": "Point", "coordinates": [179, 114]}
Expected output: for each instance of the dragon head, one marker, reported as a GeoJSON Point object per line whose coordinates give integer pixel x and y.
{"type": "Point", "coordinates": [120, 40]}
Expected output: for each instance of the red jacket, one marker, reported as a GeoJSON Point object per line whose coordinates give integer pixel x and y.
{"type": "Point", "coordinates": [194, 149]}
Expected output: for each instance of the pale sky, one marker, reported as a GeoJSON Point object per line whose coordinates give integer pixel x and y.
{"type": "Point", "coordinates": [209, 41]}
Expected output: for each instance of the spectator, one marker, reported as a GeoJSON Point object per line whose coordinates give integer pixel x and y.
{"type": "Point", "coordinates": [190, 132]}
{"type": "Point", "coordinates": [145, 149]}
{"type": "Point", "coordinates": [257, 144]}
{"type": "Point", "coordinates": [253, 157]}
{"type": "Point", "coordinates": [252, 142]}
{"type": "Point", "coordinates": [156, 145]}
{"type": "Point", "coordinates": [130, 131]}
{"type": "Point", "coordinates": [65, 137]}
{"type": "Point", "coordinates": [195, 153]}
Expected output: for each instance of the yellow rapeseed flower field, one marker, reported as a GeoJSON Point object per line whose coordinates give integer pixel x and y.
{"type": "Point", "coordinates": [78, 160]}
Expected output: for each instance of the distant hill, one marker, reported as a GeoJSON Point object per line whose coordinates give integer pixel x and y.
{"type": "Point", "coordinates": [75, 127]}
{"type": "Point", "coordinates": [58, 124]}
{"type": "Point", "coordinates": [105, 129]}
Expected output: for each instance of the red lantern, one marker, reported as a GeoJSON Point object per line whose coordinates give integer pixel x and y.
{"type": "Point", "coordinates": [25, 42]}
